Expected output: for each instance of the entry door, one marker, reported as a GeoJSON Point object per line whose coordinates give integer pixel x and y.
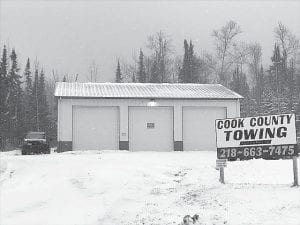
{"type": "Point", "coordinates": [199, 127]}
{"type": "Point", "coordinates": [95, 128]}
{"type": "Point", "coordinates": [150, 128]}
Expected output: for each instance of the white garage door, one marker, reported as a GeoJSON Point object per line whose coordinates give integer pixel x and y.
{"type": "Point", "coordinates": [199, 127]}
{"type": "Point", "coordinates": [150, 129]}
{"type": "Point", "coordinates": [95, 128]}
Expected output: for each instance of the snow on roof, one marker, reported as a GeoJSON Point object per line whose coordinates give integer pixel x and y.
{"type": "Point", "coordinates": [144, 90]}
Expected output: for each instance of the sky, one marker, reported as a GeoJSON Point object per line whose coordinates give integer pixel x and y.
{"type": "Point", "coordinates": [68, 36]}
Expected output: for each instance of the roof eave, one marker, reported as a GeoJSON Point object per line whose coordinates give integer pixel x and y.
{"type": "Point", "coordinates": [147, 97]}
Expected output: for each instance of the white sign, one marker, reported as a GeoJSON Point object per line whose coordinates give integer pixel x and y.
{"type": "Point", "coordinates": [221, 163]}
{"type": "Point", "coordinates": [260, 130]}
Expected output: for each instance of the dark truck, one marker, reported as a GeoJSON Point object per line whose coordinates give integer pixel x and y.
{"type": "Point", "coordinates": [35, 142]}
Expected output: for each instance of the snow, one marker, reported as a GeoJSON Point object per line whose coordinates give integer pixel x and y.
{"type": "Point", "coordinates": [120, 187]}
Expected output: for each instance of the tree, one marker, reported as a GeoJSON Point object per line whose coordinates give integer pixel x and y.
{"type": "Point", "coordinates": [193, 69]}
{"type": "Point", "coordinates": [28, 98]}
{"type": "Point", "coordinates": [289, 45]}
{"type": "Point", "coordinates": [191, 66]}
{"type": "Point", "coordinates": [52, 106]}
{"type": "Point", "coordinates": [277, 73]}
{"type": "Point", "coordinates": [183, 74]}
{"type": "Point", "coordinates": [155, 75]}
{"type": "Point", "coordinates": [118, 73]}
{"type": "Point", "coordinates": [239, 83]}
{"type": "Point", "coordinates": [256, 70]}
{"type": "Point", "coordinates": [93, 70]}
{"type": "Point", "coordinates": [43, 110]}
{"type": "Point", "coordinates": [280, 86]}
{"type": "Point", "coordinates": [27, 109]}
{"type": "Point", "coordinates": [224, 39]}
{"type": "Point", "coordinates": [287, 40]}
{"type": "Point", "coordinates": [36, 123]}
{"type": "Point", "coordinates": [239, 55]}
{"type": "Point", "coordinates": [15, 106]}
{"type": "Point", "coordinates": [3, 98]}
{"type": "Point", "coordinates": [209, 66]}
{"type": "Point", "coordinates": [292, 89]}
{"type": "Point", "coordinates": [141, 69]}
{"type": "Point", "coordinates": [160, 45]}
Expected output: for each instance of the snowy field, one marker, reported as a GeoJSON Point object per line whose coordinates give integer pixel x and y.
{"type": "Point", "coordinates": [119, 187]}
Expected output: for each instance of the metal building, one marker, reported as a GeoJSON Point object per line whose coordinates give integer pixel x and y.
{"type": "Point", "coordinates": [141, 117]}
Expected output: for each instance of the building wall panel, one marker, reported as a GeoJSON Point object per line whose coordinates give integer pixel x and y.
{"type": "Point", "coordinates": [65, 113]}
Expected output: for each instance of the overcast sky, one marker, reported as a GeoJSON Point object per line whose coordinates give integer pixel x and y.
{"type": "Point", "coordinates": [68, 36]}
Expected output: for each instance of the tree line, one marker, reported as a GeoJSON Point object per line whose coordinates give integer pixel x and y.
{"type": "Point", "coordinates": [237, 65]}
{"type": "Point", "coordinates": [27, 102]}
{"type": "Point", "coordinates": [23, 101]}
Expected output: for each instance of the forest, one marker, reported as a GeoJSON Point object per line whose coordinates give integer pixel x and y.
{"type": "Point", "coordinates": [27, 101]}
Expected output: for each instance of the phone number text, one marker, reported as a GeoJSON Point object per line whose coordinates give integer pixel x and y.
{"type": "Point", "coordinates": [265, 152]}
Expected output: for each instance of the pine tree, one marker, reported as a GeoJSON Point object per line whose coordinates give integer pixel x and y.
{"type": "Point", "coordinates": [184, 72]}
{"type": "Point", "coordinates": [282, 83]}
{"type": "Point", "coordinates": [43, 104]}
{"type": "Point", "coordinates": [36, 124]}
{"type": "Point", "coordinates": [276, 70]}
{"type": "Point", "coordinates": [28, 98]}
{"type": "Point", "coordinates": [141, 69]}
{"type": "Point", "coordinates": [15, 103]}
{"type": "Point", "coordinates": [190, 70]}
{"type": "Point", "coordinates": [292, 89]}
{"type": "Point", "coordinates": [193, 70]}
{"type": "Point", "coordinates": [3, 98]}
{"type": "Point", "coordinates": [191, 63]}
{"type": "Point", "coordinates": [118, 73]}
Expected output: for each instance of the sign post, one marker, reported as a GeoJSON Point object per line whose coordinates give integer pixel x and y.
{"type": "Point", "coordinates": [220, 165]}
{"type": "Point", "coordinates": [268, 137]}
{"type": "Point", "coordinates": [295, 169]}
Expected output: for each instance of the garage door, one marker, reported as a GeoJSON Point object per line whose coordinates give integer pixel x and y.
{"type": "Point", "coordinates": [95, 128]}
{"type": "Point", "coordinates": [150, 128]}
{"type": "Point", "coordinates": [199, 127]}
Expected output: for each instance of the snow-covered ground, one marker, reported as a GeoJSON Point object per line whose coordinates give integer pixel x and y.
{"type": "Point", "coordinates": [119, 187]}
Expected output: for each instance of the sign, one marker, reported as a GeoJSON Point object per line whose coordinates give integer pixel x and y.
{"type": "Point", "coordinates": [268, 137]}
{"type": "Point", "coordinates": [221, 163]}
{"type": "Point", "coordinates": [150, 125]}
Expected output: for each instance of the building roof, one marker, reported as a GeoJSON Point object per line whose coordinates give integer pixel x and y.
{"type": "Point", "coordinates": [144, 90]}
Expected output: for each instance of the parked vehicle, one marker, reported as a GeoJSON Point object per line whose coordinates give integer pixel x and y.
{"type": "Point", "coordinates": [35, 143]}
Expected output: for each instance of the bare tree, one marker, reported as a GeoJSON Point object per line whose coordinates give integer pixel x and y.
{"type": "Point", "coordinates": [93, 72]}
{"type": "Point", "coordinates": [239, 55]}
{"type": "Point", "coordinates": [287, 40]}
{"type": "Point", "coordinates": [254, 60]}
{"type": "Point", "coordinates": [224, 40]}
{"type": "Point", "coordinates": [211, 66]}
{"type": "Point", "coordinates": [161, 49]}
{"type": "Point", "coordinates": [130, 70]}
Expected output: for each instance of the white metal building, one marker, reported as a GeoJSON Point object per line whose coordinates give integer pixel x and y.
{"type": "Point", "coordinates": [141, 117]}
